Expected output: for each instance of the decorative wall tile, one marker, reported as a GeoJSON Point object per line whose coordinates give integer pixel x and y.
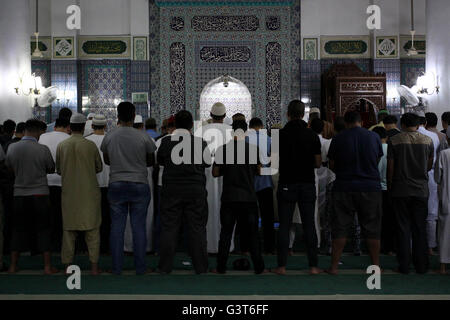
{"type": "Point", "coordinates": [177, 23]}
{"type": "Point", "coordinates": [273, 83]}
{"type": "Point", "coordinates": [63, 47]}
{"type": "Point", "coordinates": [177, 77]}
{"type": "Point", "coordinates": [139, 48]}
{"type": "Point", "coordinates": [272, 23]}
{"type": "Point", "coordinates": [224, 23]}
{"type": "Point", "coordinates": [344, 47]}
{"type": "Point", "coordinates": [105, 83]}
{"type": "Point", "coordinates": [45, 46]}
{"type": "Point", "coordinates": [103, 47]}
{"type": "Point", "coordinates": [64, 76]}
{"type": "Point", "coordinates": [392, 69]}
{"type": "Point", "coordinates": [310, 49]}
{"type": "Point", "coordinates": [419, 44]}
{"type": "Point", "coordinates": [387, 47]}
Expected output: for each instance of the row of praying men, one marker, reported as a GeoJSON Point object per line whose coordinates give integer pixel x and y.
{"type": "Point", "coordinates": [140, 187]}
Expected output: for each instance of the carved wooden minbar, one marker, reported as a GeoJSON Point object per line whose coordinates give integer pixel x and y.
{"type": "Point", "coordinates": [346, 87]}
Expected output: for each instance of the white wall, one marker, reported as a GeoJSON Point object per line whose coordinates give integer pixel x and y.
{"type": "Point", "coordinates": [98, 17]}
{"type": "Point", "coordinates": [14, 58]}
{"type": "Point", "coordinates": [348, 17]}
{"type": "Point", "coordinates": [438, 48]}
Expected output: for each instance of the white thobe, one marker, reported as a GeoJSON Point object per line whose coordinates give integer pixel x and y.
{"type": "Point", "coordinates": [433, 201]}
{"type": "Point", "coordinates": [215, 135]}
{"type": "Point", "coordinates": [442, 177]}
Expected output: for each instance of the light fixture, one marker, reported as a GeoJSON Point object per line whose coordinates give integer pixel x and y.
{"type": "Point", "coordinates": [412, 51]}
{"type": "Point", "coordinates": [37, 53]}
{"type": "Point", "coordinates": [427, 84]}
{"type": "Point", "coordinates": [306, 100]}
{"type": "Point", "coordinates": [225, 79]}
{"type": "Point", "coordinates": [29, 85]}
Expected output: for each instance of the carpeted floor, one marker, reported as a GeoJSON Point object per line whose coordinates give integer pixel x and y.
{"type": "Point", "coordinates": [351, 281]}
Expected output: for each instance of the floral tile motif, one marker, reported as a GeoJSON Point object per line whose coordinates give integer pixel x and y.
{"type": "Point", "coordinates": [177, 77]}
{"type": "Point", "coordinates": [273, 83]}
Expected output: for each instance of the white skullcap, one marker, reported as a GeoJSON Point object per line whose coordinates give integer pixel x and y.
{"type": "Point", "coordinates": [218, 109]}
{"type": "Point", "coordinates": [138, 119]}
{"type": "Point", "coordinates": [314, 110]}
{"type": "Point", "coordinates": [77, 118]}
{"type": "Point", "coordinates": [91, 115]}
{"type": "Point", "coordinates": [99, 120]}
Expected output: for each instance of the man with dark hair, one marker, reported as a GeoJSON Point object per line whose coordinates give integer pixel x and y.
{"type": "Point", "coordinates": [238, 116]}
{"type": "Point", "coordinates": [9, 126]}
{"type": "Point", "coordinates": [390, 124]}
{"type": "Point", "coordinates": [410, 158]}
{"type": "Point", "coordinates": [263, 183]}
{"type": "Point", "coordinates": [18, 134]}
{"type": "Point", "coordinates": [183, 193]}
{"type": "Point", "coordinates": [52, 139]}
{"type": "Point", "coordinates": [354, 155]}
{"type": "Point", "coordinates": [128, 152]}
{"type": "Point", "coordinates": [300, 154]}
{"type": "Point", "coordinates": [150, 127]}
{"type": "Point", "coordinates": [338, 125]}
{"type": "Point", "coordinates": [78, 161]}
{"type": "Point", "coordinates": [433, 199]}
{"type": "Point", "coordinates": [432, 122]}
{"type": "Point", "coordinates": [215, 134]}
{"type": "Point", "coordinates": [99, 126]}
{"type": "Point", "coordinates": [238, 163]}
{"type": "Point", "coordinates": [31, 162]}
{"type": "Point", "coordinates": [382, 114]}
{"type": "Point", "coordinates": [445, 119]}
{"type": "Point", "coordinates": [64, 113]}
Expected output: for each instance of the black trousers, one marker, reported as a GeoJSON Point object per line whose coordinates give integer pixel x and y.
{"type": "Point", "coordinates": [195, 211]}
{"type": "Point", "coordinates": [31, 224]}
{"type": "Point", "coordinates": [265, 205]}
{"type": "Point", "coordinates": [388, 225]}
{"type": "Point", "coordinates": [244, 214]}
{"type": "Point", "coordinates": [56, 218]}
{"type": "Point", "coordinates": [105, 227]}
{"type": "Point", "coordinates": [8, 205]}
{"type": "Point", "coordinates": [305, 195]}
{"type": "Point", "coordinates": [411, 215]}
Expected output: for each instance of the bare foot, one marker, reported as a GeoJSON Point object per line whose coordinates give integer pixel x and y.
{"type": "Point", "coordinates": [315, 270]}
{"type": "Point", "coordinates": [246, 253]}
{"type": "Point", "coordinates": [331, 271]}
{"type": "Point", "coordinates": [280, 271]}
{"type": "Point", "coordinates": [265, 271]}
{"type": "Point", "coordinates": [13, 269]}
{"type": "Point", "coordinates": [215, 271]}
{"type": "Point", "coordinates": [96, 271]}
{"type": "Point", "coordinates": [50, 270]}
{"type": "Point", "coordinates": [291, 252]}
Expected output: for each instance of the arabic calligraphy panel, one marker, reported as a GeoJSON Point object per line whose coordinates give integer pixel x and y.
{"type": "Point", "coordinates": [224, 23]}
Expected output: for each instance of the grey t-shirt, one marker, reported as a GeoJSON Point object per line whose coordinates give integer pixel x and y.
{"type": "Point", "coordinates": [127, 149]}
{"type": "Point", "coordinates": [410, 152]}
{"type": "Point", "coordinates": [31, 162]}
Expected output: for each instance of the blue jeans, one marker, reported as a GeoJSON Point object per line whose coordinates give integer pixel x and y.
{"type": "Point", "coordinates": [127, 197]}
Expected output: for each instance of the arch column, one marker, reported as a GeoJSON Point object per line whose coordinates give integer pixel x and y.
{"type": "Point", "coordinates": [438, 52]}
{"type": "Point", "coordinates": [15, 58]}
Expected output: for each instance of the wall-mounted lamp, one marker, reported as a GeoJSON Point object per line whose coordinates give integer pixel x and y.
{"type": "Point", "coordinates": [29, 85]}
{"type": "Point", "coordinates": [428, 84]}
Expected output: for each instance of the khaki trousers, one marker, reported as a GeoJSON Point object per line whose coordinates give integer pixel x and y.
{"type": "Point", "coordinates": [92, 238]}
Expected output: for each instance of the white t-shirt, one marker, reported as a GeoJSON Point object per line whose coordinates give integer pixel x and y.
{"type": "Point", "coordinates": [325, 146]}
{"type": "Point", "coordinates": [102, 177]}
{"type": "Point", "coordinates": [51, 140]}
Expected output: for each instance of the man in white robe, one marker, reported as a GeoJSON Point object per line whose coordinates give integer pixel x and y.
{"type": "Point", "coordinates": [215, 134]}
{"type": "Point", "coordinates": [432, 186]}
{"type": "Point", "coordinates": [442, 177]}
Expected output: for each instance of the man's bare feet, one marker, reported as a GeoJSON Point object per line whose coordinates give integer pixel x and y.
{"type": "Point", "coordinates": [431, 252]}
{"type": "Point", "coordinates": [331, 271]}
{"type": "Point", "coordinates": [280, 271]}
{"type": "Point", "coordinates": [13, 269]}
{"type": "Point", "coordinates": [50, 270]}
{"type": "Point", "coordinates": [315, 270]}
{"type": "Point", "coordinates": [291, 252]}
{"type": "Point", "coordinates": [95, 270]}
{"type": "Point", "coordinates": [215, 271]}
